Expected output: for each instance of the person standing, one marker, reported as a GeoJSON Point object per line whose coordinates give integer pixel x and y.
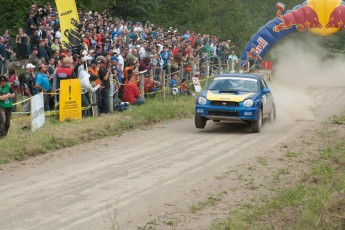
{"type": "Point", "coordinates": [65, 72]}
{"type": "Point", "coordinates": [8, 45]}
{"type": "Point", "coordinates": [3, 57]}
{"type": "Point", "coordinates": [104, 73]}
{"type": "Point", "coordinates": [6, 95]}
{"type": "Point", "coordinates": [42, 53]}
{"type": "Point", "coordinates": [14, 82]}
{"type": "Point", "coordinates": [22, 54]}
{"type": "Point", "coordinates": [43, 84]}
{"type": "Point", "coordinates": [166, 56]}
{"type": "Point", "coordinates": [233, 60]}
{"type": "Point", "coordinates": [26, 82]}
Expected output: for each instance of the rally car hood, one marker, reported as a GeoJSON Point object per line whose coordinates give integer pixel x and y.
{"type": "Point", "coordinates": [216, 95]}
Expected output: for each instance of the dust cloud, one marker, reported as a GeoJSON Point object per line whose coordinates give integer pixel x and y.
{"type": "Point", "coordinates": [301, 69]}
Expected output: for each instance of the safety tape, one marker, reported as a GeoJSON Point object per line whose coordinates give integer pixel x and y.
{"type": "Point", "coordinates": [47, 113]}
{"type": "Point", "coordinates": [18, 103]}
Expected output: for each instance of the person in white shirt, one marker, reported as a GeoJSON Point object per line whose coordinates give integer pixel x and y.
{"type": "Point", "coordinates": [233, 60]}
{"type": "Point", "coordinates": [86, 86]}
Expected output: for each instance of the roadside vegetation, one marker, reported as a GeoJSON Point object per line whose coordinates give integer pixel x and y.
{"type": "Point", "coordinates": [299, 186]}
{"type": "Point", "coordinates": [22, 143]}
{"type": "Point", "coordinates": [314, 201]}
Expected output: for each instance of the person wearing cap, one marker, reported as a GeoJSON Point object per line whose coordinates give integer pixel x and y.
{"type": "Point", "coordinates": [43, 84]}
{"type": "Point", "coordinates": [27, 81]}
{"type": "Point", "coordinates": [6, 95]}
{"type": "Point", "coordinates": [115, 69]}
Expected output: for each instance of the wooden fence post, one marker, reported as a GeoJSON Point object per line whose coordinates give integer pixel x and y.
{"type": "Point", "coordinates": [207, 71]}
{"type": "Point", "coordinates": [197, 60]}
{"type": "Point", "coordinates": [192, 70]}
{"type": "Point", "coordinates": [111, 93]}
{"type": "Point", "coordinates": [180, 71]}
{"type": "Point", "coordinates": [169, 76]}
{"type": "Point", "coordinates": [141, 85]}
{"type": "Point", "coordinates": [163, 85]}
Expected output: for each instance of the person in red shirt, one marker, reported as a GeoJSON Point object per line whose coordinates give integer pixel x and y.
{"type": "Point", "coordinates": [150, 87]}
{"type": "Point", "coordinates": [131, 92]}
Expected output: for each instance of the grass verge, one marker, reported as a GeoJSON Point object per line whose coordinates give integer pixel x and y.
{"type": "Point", "coordinates": [316, 201]}
{"type": "Point", "coordinates": [21, 144]}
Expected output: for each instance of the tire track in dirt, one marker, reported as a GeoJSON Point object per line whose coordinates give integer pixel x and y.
{"type": "Point", "coordinates": [134, 175]}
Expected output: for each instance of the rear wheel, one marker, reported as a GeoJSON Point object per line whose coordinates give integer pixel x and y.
{"type": "Point", "coordinates": [272, 116]}
{"type": "Point", "coordinates": [200, 121]}
{"type": "Point", "coordinates": [256, 125]}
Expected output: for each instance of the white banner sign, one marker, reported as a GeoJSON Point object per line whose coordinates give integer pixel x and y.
{"type": "Point", "coordinates": [196, 84]}
{"type": "Point", "coordinates": [37, 112]}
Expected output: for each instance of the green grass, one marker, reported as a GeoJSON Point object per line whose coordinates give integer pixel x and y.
{"type": "Point", "coordinates": [262, 160]}
{"type": "Point", "coordinates": [316, 201]}
{"type": "Point", "coordinates": [20, 145]}
{"type": "Point", "coordinates": [339, 120]}
{"type": "Point", "coordinates": [210, 201]}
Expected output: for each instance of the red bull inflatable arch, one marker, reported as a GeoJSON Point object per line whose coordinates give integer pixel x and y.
{"type": "Point", "coordinates": [321, 17]}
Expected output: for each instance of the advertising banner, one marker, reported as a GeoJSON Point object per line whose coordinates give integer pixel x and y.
{"type": "Point", "coordinates": [69, 21]}
{"type": "Point", "coordinates": [37, 112]}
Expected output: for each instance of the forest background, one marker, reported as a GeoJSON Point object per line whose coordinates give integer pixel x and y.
{"type": "Point", "coordinates": [236, 20]}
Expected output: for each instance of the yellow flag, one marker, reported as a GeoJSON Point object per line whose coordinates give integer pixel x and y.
{"type": "Point", "coordinates": [69, 21]}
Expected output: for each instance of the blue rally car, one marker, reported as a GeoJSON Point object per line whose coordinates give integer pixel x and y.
{"type": "Point", "coordinates": [236, 97]}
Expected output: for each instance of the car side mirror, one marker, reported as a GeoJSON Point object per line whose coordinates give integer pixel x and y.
{"type": "Point", "coordinates": [266, 90]}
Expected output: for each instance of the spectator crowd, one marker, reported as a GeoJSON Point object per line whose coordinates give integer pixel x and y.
{"type": "Point", "coordinates": [111, 48]}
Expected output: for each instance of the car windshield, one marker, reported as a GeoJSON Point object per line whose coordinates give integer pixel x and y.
{"type": "Point", "coordinates": [229, 84]}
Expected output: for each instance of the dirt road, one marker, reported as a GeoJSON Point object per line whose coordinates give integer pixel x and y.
{"type": "Point", "coordinates": [125, 182]}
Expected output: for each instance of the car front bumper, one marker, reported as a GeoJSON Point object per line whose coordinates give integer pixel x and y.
{"type": "Point", "coordinates": [229, 113]}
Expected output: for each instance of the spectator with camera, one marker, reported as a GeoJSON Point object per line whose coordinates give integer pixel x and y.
{"type": "Point", "coordinates": [6, 95]}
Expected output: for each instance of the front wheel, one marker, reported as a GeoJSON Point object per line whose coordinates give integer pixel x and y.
{"type": "Point", "coordinates": [256, 125]}
{"type": "Point", "coordinates": [200, 121]}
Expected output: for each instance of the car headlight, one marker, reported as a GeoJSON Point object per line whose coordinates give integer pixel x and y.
{"type": "Point", "coordinates": [202, 101]}
{"type": "Point", "coordinates": [248, 103]}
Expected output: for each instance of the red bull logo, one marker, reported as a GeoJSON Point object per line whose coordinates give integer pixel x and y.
{"type": "Point", "coordinates": [303, 18]}
{"type": "Point", "coordinates": [322, 17]}
{"type": "Point", "coordinates": [337, 18]}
